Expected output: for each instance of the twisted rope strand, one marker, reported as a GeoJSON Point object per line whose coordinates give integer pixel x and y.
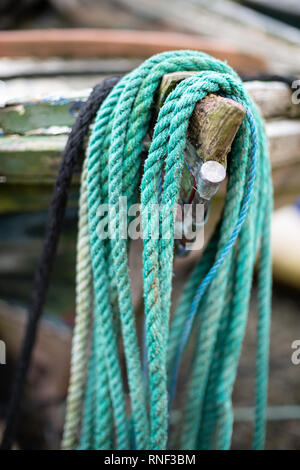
{"type": "Point", "coordinates": [226, 267]}
{"type": "Point", "coordinates": [56, 213]}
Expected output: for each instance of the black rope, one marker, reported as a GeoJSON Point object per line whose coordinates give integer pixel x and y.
{"type": "Point", "coordinates": [71, 154]}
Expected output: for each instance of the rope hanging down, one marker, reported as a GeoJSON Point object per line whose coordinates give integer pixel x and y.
{"type": "Point", "coordinates": [215, 301]}
{"type": "Point", "coordinates": [70, 158]}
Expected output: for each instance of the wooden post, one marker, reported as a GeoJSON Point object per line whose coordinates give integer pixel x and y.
{"type": "Point", "coordinates": [213, 124]}
{"type": "Point", "coordinates": [212, 128]}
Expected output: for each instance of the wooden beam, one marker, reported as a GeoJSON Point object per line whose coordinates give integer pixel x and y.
{"type": "Point", "coordinates": [47, 114]}
{"type": "Point", "coordinates": [79, 43]}
{"type": "Point", "coordinates": [40, 114]}
{"type": "Point", "coordinates": [284, 142]}
{"type": "Point", "coordinates": [197, 18]}
{"type": "Point", "coordinates": [32, 160]}
{"type": "Point", "coordinates": [274, 99]}
{"type": "Point", "coordinates": [36, 158]}
{"type": "Point", "coordinates": [22, 67]}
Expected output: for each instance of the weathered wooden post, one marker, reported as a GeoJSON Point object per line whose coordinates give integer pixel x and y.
{"type": "Point", "coordinates": [214, 122]}
{"type": "Point", "coordinates": [212, 128]}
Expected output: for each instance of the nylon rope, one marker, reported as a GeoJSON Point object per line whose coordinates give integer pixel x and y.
{"type": "Point", "coordinates": [73, 151]}
{"type": "Point", "coordinates": [131, 412]}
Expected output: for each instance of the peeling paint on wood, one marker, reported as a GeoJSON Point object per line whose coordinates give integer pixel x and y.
{"type": "Point", "coordinates": [37, 157]}
{"type": "Point", "coordinates": [45, 112]}
{"type": "Point", "coordinates": [34, 134]}
{"type": "Point", "coordinates": [31, 159]}
{"type": "Point", "coordinates": [24, 116]}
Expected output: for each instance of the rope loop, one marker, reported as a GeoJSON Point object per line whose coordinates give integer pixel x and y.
{"type": "Point", "coordinates": [215, 300]}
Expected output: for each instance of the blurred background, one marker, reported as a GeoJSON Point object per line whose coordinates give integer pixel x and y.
{"type": "Point", "coordinates": [51, 53]}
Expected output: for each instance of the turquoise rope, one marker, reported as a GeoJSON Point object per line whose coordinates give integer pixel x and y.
{"type": "Point", "coordinates": [212, 313]}
{"type": "Point", "coordinates": [110, 418]}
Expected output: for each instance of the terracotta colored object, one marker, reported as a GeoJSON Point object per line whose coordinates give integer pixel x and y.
{"type": "Point", "coordinates": [81, 43]}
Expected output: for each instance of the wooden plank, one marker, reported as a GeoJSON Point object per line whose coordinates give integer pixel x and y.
{"type": "Point", "coordinates": [197, 19]}
{"type": "Point", "coordinates": [22, 90]}
{"type": "Point", "coordinates": [79, 43]}
{"type": "Point", "coordinates": [286, 184]}
{"type": "Point", "coordinates": [37, 157]}
{"type": "Point", "coordinates": [252, 18]}
{"type": "Point", "coordinates": [52, 67]}
{"type": "Point", "coordinates": [21, 116]}
{"type": "Point", "coordinates": [284, 142]}
{"type": "Point", "coordinates": [54, 110]}
{"type": "Point", "coordinates": [30, 158]}
{"type": "Point", "coordinates": [274, 99]}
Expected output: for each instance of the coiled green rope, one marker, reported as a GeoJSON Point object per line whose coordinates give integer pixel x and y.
{"type": "Point", "coordinates": [215, 301]}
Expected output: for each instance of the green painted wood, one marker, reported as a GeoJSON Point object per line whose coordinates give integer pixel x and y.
{"type": "Point", "coordinates": [40, 114]}
{"type": "Point", "coordinates": [31, 159]}
{"type": "Point", "coordinates": [29, 163]}
{"type": "Point", "coordinates": [53, 113]}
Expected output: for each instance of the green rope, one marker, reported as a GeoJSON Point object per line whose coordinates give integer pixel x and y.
{"type": "Point", "coordinates": [215, 301]}
{"type": "Point", "coordinates": [79, 361]}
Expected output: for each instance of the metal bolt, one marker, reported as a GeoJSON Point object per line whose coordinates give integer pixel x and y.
{"type": "Point", "coordinates": [211, 175]}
